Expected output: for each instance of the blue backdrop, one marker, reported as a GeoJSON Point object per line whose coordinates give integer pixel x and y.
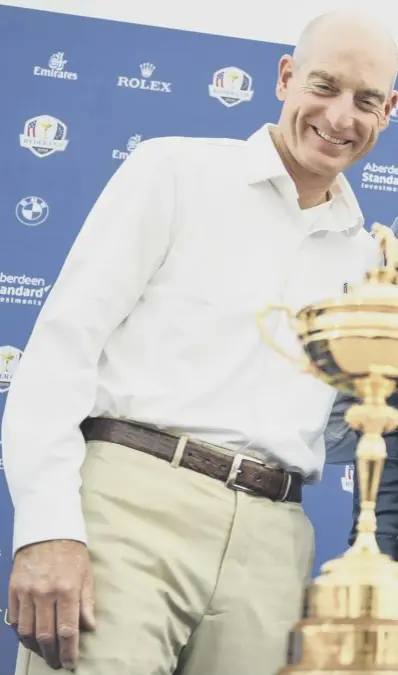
{"type": "Point", "coordinates": [78, 95]}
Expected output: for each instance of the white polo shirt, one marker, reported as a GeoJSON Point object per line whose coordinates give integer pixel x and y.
{"type": "Point", "coordinates": [153, 318]}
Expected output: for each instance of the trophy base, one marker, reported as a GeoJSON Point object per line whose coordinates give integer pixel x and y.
{"type": "Point", "coordinates": [351, 624]}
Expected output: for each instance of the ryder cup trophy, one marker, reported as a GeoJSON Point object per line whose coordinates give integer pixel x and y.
{"type": "Point", "coordinates": [351, 342]}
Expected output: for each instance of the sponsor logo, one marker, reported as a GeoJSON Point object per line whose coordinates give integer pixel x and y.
{"type": "Point", "coordinates": [9, 360]}
{"type": "Point", "coordinates": [32, 211]}
{"type": "Point", "coordinates": [380, 177]}
{"type": "Point", "coordinates": [145, 82]}
{"type": "Point", "coordinates": [131, 145]}
{"type": "Point", "coordinates": [43, 135]}
{"type": "Point", "coordinates": [56, 68]}
{"type": "Point", "coordinates": [22, 290]}
{"type": "Point", "coordinates": [231, 86]}
{"type": "Point", "coordinates": [347, 481]}
{"type": "Point", "coordinates": [394, 114]}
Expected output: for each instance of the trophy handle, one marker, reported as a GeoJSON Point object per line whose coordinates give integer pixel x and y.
{"type": "Point", "coordinates": [266, 336]}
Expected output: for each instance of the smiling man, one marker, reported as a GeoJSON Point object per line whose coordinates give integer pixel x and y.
{"type": "Point", "coordinates": [338, 94]}
{"type": "Point", "coordinates": [155, 448]}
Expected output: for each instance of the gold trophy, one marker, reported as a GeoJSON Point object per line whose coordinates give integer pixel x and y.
{"type": "Point", "coordinates": [351, 619]}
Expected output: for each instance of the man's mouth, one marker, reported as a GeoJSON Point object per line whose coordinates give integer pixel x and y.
{"type": "Point", "coordinates": [330, 139]}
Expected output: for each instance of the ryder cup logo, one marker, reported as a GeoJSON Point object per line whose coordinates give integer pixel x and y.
{"type": "Point", "coordinates": [347, 482]}
{"type": "Point", "coordinates": [9, 359]}
{"type": "Point", "coordinates": [231, 86]}
{"type": "Point", "coordinates": [43, 135]}
{"type": "Point", "coordinates": [145, 82]}
{"type": "Point", "coordinates": [32, 211]}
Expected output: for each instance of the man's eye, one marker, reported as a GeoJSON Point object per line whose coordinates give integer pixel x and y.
{"type": "Point", "coordinates": [323, 87]}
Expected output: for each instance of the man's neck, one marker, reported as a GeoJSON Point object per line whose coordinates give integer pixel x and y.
{"type": "Point", "coordinates": [312, 190]}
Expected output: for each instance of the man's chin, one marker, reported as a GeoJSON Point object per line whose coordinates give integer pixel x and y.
{"type": "Point", "coordinates": [324, 166]}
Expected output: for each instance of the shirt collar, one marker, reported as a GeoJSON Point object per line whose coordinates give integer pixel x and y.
{"type": "Point", "coordinates": [265, 164]}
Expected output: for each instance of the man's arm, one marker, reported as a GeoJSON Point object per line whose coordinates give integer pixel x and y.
{"type": "Point", "coordinates": [340, 439]}
{"type": "Point", "coordinates": [122, 243]}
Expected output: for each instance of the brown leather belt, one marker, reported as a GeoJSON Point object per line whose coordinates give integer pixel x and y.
{"type": "Point", "coordinates": [238, 472]}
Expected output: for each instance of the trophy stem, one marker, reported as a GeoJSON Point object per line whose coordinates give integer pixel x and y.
{"type": "Point", "coordinates": [371, 454]}
{"type": "Point", "coordinates": [373, 417]}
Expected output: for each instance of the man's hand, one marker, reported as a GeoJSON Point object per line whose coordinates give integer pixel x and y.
{"type": "Point", "coordinates": [51, 598]}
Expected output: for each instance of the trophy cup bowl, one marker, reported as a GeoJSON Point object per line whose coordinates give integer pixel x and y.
{"type": "Point", "coordinates": [351, 619]}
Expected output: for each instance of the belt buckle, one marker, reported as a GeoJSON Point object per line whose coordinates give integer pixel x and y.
{"type": "Point", "coordinates": [236, 470]}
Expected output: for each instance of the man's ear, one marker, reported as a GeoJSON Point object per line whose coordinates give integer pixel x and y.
{"type": "Point", "coordinates": [391, 105]}
{"type": "Point", "coordinates": [285, 73]}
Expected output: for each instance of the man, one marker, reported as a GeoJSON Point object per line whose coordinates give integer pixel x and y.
{"type": "Point", "coordinates": [199, 436]}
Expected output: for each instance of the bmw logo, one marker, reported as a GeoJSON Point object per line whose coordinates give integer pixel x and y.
{"type": "Point", "coordinates": [32, 211]}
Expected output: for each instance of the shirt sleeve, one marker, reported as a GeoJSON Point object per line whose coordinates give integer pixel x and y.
{"type": "Point", "coordinates": [122, 243]}
{"type": "Point", "coordinates": [340, 439]}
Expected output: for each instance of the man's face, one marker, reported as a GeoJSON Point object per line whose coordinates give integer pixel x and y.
{"type": "Point", "coordinates": [335, 104]}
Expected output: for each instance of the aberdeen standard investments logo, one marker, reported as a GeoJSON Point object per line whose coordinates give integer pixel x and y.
{"type": "Point", "coordinates": [21, 289]}
{"type": "Point", "coordinates": [380, 177]}
{"type": "Point", "coordinates": [56, 68]}
{"type": "Point", "coordinates": [43, 135]}
{"type": "Point", "coordinates": [145, 81]}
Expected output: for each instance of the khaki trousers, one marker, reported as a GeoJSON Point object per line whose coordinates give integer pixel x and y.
{"type": "Point", "coordinates": [190, 577]}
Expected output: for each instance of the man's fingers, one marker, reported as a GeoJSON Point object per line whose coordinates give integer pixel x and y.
{"type": "Point", "coordinates": [87, 616]}
{"type": "Point", "coordinates": [46, 630]}
{"type": "Point", "coordinates": [13, 608]}
{"type": "Point", "coordinates": [25, 623]}
{"type": "Point", "coordinates": [68, 611]}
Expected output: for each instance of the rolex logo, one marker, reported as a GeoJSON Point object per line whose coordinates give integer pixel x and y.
{"type": "Point", "coordinates": [143, 82]}
{"type": "Point", "coordinates": [147, 69]}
